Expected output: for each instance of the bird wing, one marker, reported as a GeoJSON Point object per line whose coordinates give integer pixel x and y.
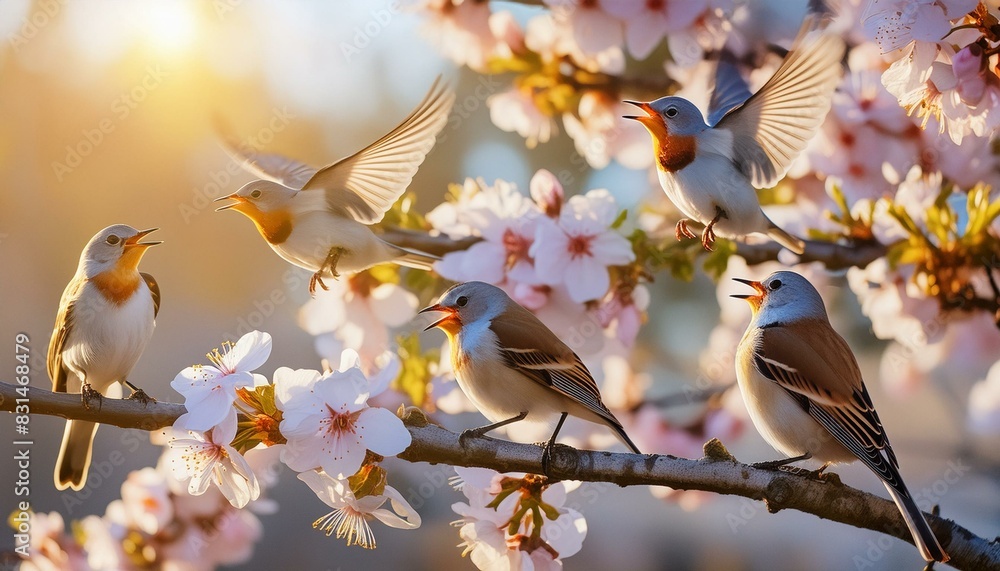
{"type": "Point", "coordinates": [530, 347]}
{"type": "Point", "coordinates": [154, 290]}
{"type": "Point", "coordinates": [776, 123]}
{"type": "Point", "coordinates": [273, 167]}
{"type": "Point", "coordinates": [816, 366]}
{"type": "Point", "coordinates": [730, 91]}
{"type": "Point", "coordinates": [366, 184]}
{"type": "Point", "coordinates": [64, 323]}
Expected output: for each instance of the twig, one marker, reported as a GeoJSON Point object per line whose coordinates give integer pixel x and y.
{"type": "Point", "coordinates": [717, 472]}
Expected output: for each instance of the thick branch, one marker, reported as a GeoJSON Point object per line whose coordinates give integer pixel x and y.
{"type": "Point", "coordinates": [717, 472]}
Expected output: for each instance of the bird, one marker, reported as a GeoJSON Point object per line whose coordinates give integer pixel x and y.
{"type": "Point", "coordinates": [710, 170]}
{"type": "Point", "coordinates": [106, 317]}
{"type": "Point", "coordinates": [319, 218]}
{"type": "Point", "coordinates": [514, 368]}
{"type": "Point", "coordinates": [806, 396]}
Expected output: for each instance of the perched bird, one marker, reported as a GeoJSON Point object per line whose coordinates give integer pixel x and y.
{"type": "Point", "coordinates": [804, 391]}
{"type": "Point", "coordinates": [106, 317]}
{"type": "Point", "coordinates": [710, 170]}
{"type": "Point", "coordinates": [318, 219]}
{"type": "Point", "coordinates": [513, 367]}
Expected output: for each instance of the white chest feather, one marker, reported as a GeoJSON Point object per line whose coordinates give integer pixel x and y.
{"type": "Point", "coordinates": [106, 339]}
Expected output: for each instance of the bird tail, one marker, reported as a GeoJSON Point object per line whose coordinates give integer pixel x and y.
{"type": "Point", "coordinates": [74, 455]}
{"type": "Point", "coordinates": [787, 240]}
{"type": "Point", "coordinates": [923, 536]}
{"type": "Point", "coordinates": [415, 259]}
{"type": "Point", "coordinates": [620, 433]}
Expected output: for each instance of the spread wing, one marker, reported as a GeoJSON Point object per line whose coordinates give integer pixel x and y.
{"type": "Point", "coordinates": [154, 289]}
{"type": "Point", "coordinates": [823, 375]}
{"type": "Point", "coordinates": [729, 92]}
{"type": "Point", "coordinates": [64, 323]}
{"type": "Point", "coordinates": [777, 122]}
{"type": "Point", "coordinates": [276, 168]}
{"type": "Point", "coordinates": [366, 184]}
{"type": "Point", "coordinates": [530, 347]}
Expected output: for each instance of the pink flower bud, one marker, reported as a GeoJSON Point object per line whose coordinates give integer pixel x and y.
{"type": "Point", "coordinates": [547, 192]}
{"type": "Point", "coordinates": [968, 66]}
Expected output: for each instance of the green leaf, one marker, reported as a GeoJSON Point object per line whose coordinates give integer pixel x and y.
{"type": "Point", "coordinates": [619, 220]}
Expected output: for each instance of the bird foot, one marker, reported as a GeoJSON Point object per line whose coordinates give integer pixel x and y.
{"type": "Point", "coordinates": [330, 263]}
{"type": "Point", "coordinates": [140, 396]}
{"type": "Point", "coordinates": [546, 459]}
{"type": "Point", "coordinates": [818, 474]}
{"type": "Point", "coordinates": [316, 279]}
{"type": "Point", "coordinates": [87, 393]}
{"type": "Point", "coordinates": [708, 235]}
{"type": "Point", "coordinates": [467, 434]}
{"type": "Point", "coordinates": [682, 231]}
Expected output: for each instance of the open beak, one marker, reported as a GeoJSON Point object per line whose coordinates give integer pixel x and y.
{"type": "Point", "coordinates": [753, 299]}
{"type": "Point", "coordinates": [651, 119]}
{"type": "Point", "coordinates": [450, 314]}
{"type": "Point", "coordinates": [239, 200]}
{"type": "Point", "coordinates": [134, 240]}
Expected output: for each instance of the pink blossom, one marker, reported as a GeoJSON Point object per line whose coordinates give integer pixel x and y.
{"type": "Point", "coordinates": [577, 251]}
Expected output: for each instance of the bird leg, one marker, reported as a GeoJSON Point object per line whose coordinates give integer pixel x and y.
{"type": "Point", "coordinates": [708, 235]}
{"type": "Point", "coordinates": [87, 393]}
{"type": "Point", "coordinates": [138, 394]}
{"type": "Point", "coordinates": [682, 231]}
{"type": "Point", "coordinates": [477, 432]}
{"type": "Point", "coordinates": [775, 464]}
{"type": "Point", "coordinates": [547, 451]}
{"type": "Point", "coordinates": [329, 263]}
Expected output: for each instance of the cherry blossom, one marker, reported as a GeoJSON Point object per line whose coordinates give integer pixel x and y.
{"type": "Point", "coordinates": [329, 424]}
{"type": "Point", "coordinates": [206, 458]}
{"type": "Point", "coordinates": [507, 222]}
{"type": "Point", "coordinates": [357, 313]}
{"type": "Point", "coordinates": [646, 23]}
{"type": "Point", "coordinates": [350, 516]}
{"type": "Point", "coordinates": [895, 23]}
{"type": "Point", "coordinates": [984, 403]}
{"type": "Point", "coordinates": [515, 111]}
{"type": "Point", "coordinates": [577, 250]}
{"type": "Point", "coordinates": [210, 390]}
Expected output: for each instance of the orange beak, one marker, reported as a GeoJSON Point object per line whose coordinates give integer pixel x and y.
{"type": "Point", "coordinates": [134, 240]}
{"type": "Point", "coordinates": [239, 200]}
{"type": "Point", "coordinates": [754, 300]}
{"type": "Point", "coordinates": [651, 120]}
{"type": "Point", "coordinates": [450, 319]}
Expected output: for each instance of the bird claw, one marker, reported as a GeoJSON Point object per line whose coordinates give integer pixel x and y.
{"type": "Point", "coordinates": [467, 434]}
{"type": "Point", "coordinates": [316, 279]}
{"type": "Point", "coordinates": [329, 263]}
{"type": "Point", "coordinates": [682, 231]}
{"type": "Point", "coordinates": [546, 460]}
{"type": "Point", "coordinates": [140, 396]}
{"type": "Point", "coordinates": [87, 393]}
{"type": "Point", "coordinates": [708, 238]}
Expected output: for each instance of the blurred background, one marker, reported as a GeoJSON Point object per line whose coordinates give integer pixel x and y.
{"type": "Point", "coordinates": [108, 117]}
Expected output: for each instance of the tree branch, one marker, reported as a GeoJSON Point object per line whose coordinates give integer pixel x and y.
{"type": "Point", "coordinates": [717, 472]}
{"type": "Point", "coordinates": [834, 256]}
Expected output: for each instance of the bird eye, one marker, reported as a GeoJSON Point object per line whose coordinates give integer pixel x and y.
{"type": "Point", "coordinates": [775, 284]}
{"type": "Point", "coordinates": [255, 194]}
{"type": "Point", "coordinates": [461, 301]}
{"type": "Point", "coordinates": [671, 112]}
{"type": "Point", "coordinates": [112, 239]}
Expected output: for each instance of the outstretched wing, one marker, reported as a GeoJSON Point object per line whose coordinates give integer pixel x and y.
{"type": "Point", "coordinates": [366, 184]}
{"type": "Point", "coordinates": [273, 167]}
{"type": "Point", "coordinates": [824, 377]}
{"type": "Point", "coordinates": [777, 122]}
{"type": "Point", "coordinates": [730, 91]}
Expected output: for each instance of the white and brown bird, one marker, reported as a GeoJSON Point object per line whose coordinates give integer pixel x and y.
{"type": "Point", "coordinates": [514, 368]}
{"type": "Point", "coordinates": [106, 317]}
{"type": "Point", "coordinates": [711, 171]}
{"type": "Point", "coordinates": [320, 218]}
{"type": "Point", "coordinates": [805, 394]}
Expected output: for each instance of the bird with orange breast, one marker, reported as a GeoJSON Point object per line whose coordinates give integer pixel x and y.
{"type": "Point", "coordinates": [710, 170]}
{"type": "Point", "coordinates": [106, 317]}
{"type": "Point", "coordinates": [320, 219]}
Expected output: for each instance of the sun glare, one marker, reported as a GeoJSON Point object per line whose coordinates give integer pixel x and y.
{"type": "Point", "coordinates": [170, 26]}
